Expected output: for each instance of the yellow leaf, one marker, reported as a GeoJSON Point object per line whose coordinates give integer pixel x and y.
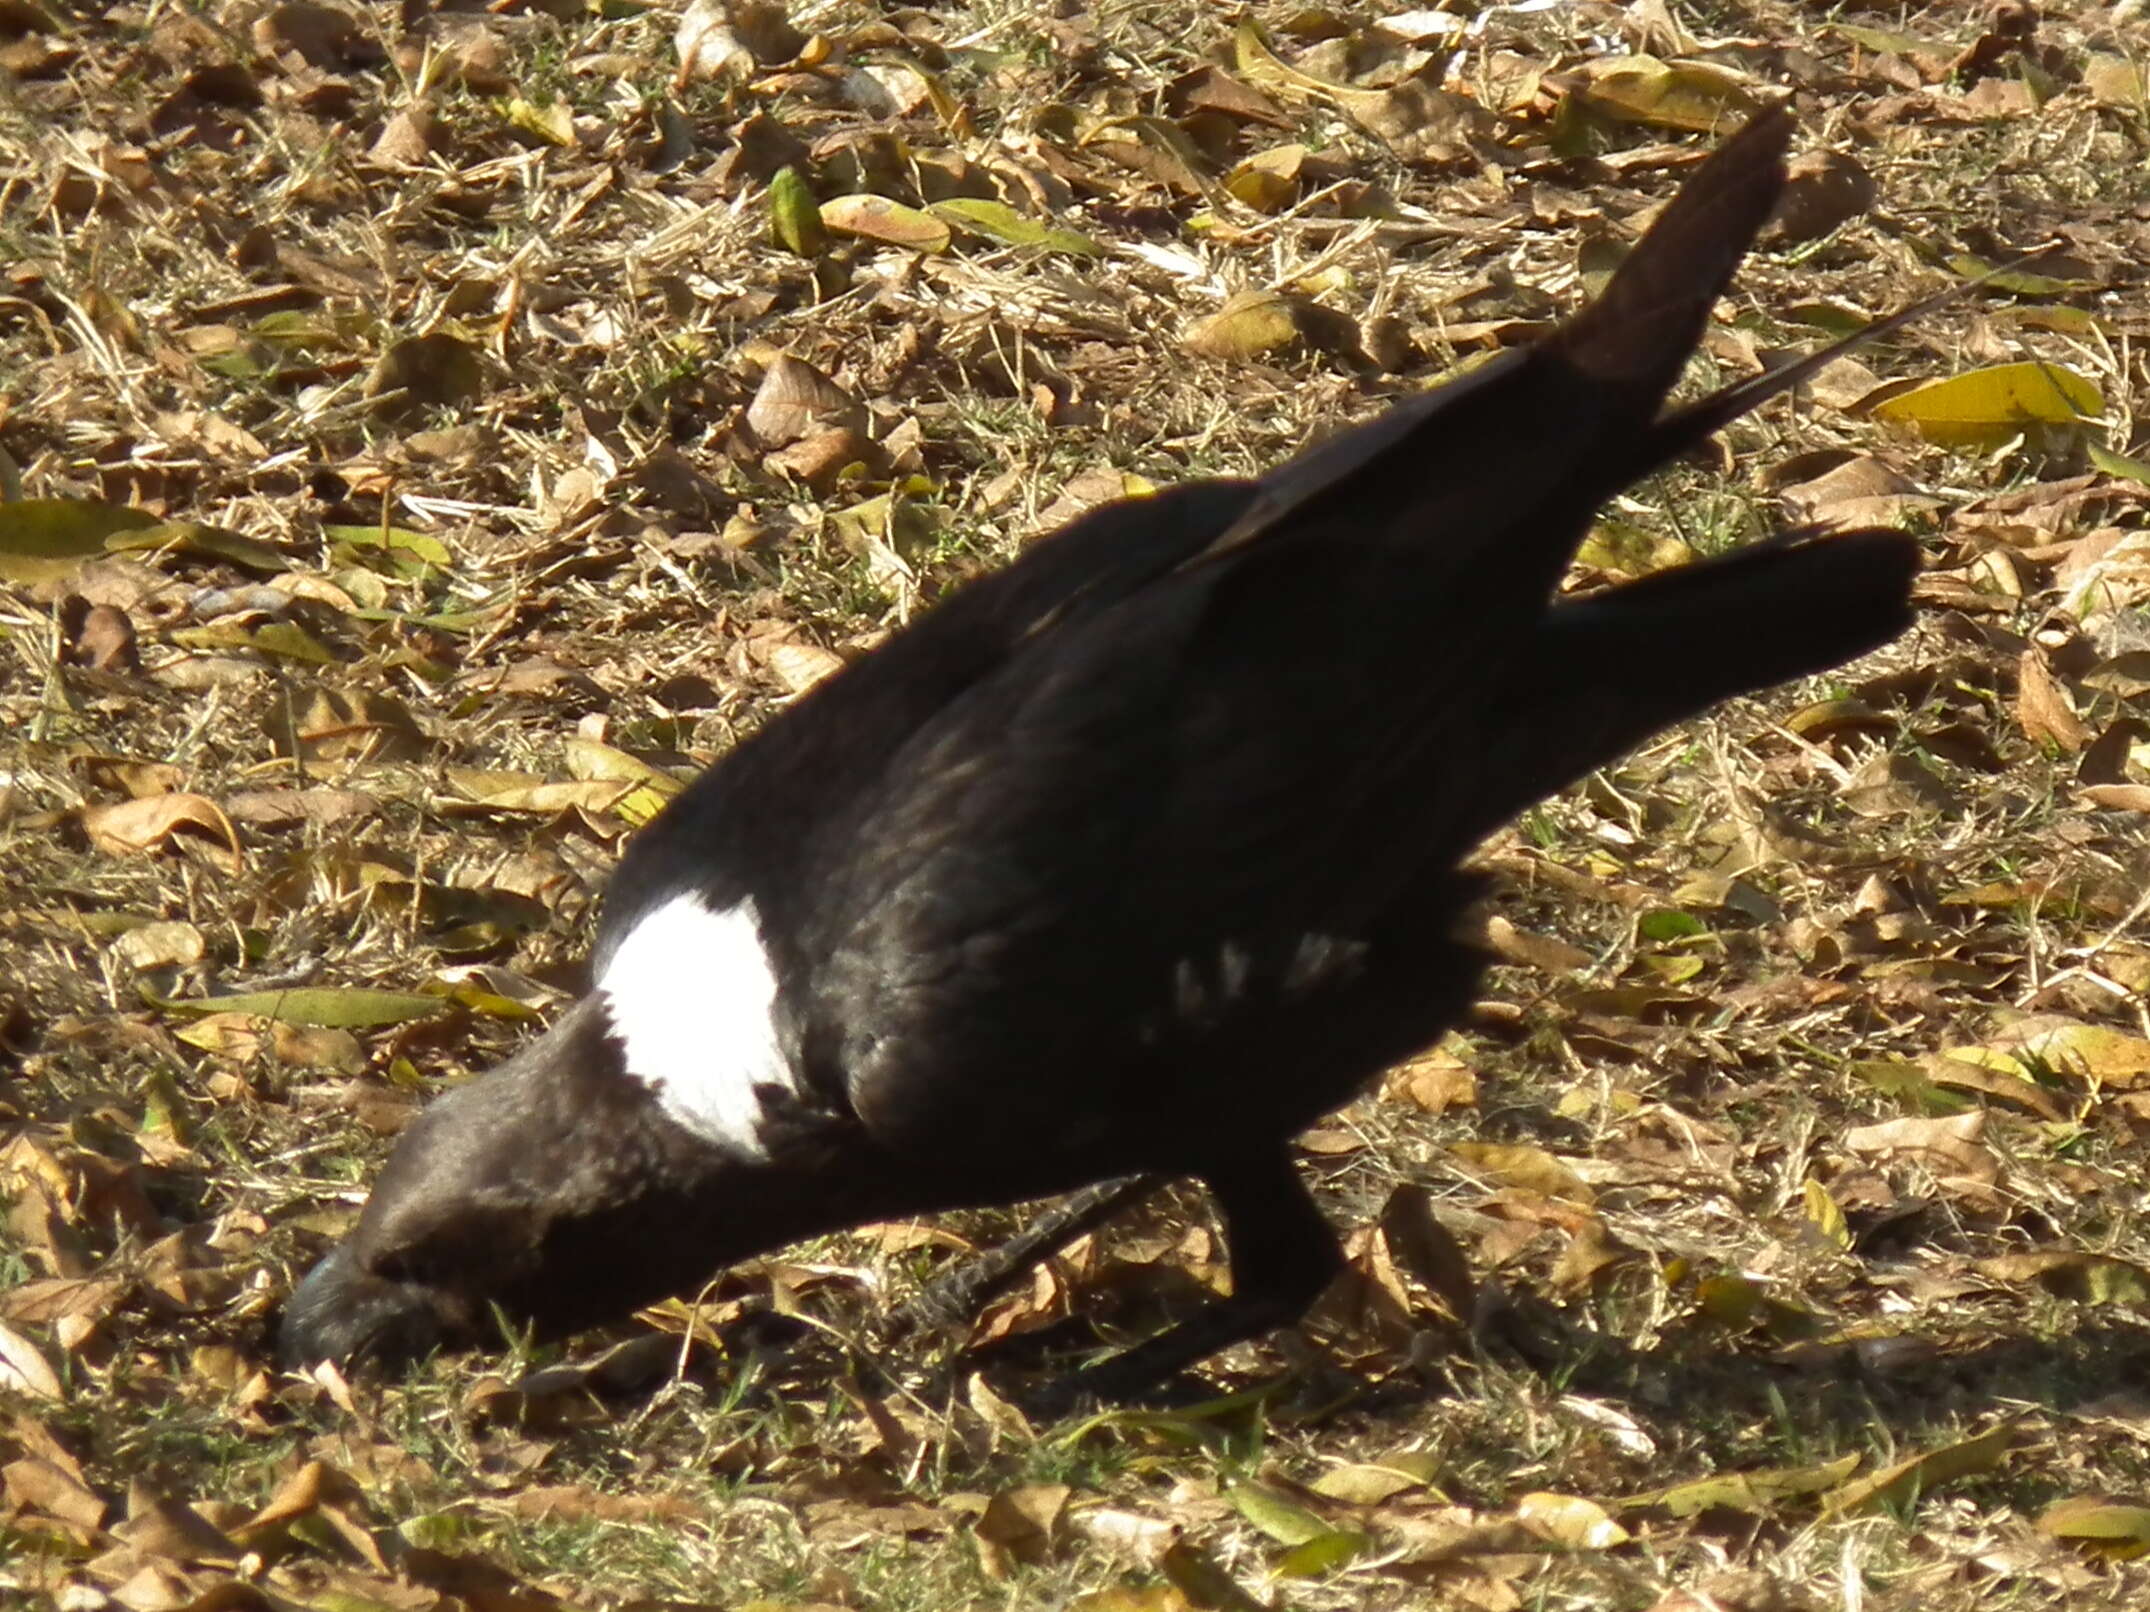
{"type": "Point", "coordinates": [1983, 408]}
{"type": "Point", "coordinates": [1520, 1165]}
{"type": "Point", "coordinates": [1268, 181]}
{"type": "Point", "coordinates": [592, 760]}
{"type": "Point", "coordinates": [2109, 1528]}
{"type": "Point", "coordinates": [1249, 324]}
{"type": "Point", "coordinates": [552, 125]}
{"type": "Point", "coordinates": [1824, 1215]}
{"type": "Point", "coordinates": [1906, 1481]}
{"type": "Point", "coordinates": [1669, 95]}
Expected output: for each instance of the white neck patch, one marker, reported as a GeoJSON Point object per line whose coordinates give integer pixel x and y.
{"type": "Point", "coordinates": [692, 997]}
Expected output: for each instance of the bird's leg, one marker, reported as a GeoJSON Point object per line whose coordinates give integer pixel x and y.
{"type": "Point", "coordinates": [956, 1295]}
{"type": "Point", "coordinates": [1283, 1254]}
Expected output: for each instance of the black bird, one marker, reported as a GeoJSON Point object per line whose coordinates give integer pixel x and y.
{"type": "Point", "coordinates": [1131, 859]}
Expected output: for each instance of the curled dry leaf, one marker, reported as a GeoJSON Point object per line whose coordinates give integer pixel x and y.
{"type": "Point", "coordinates": [800, 666]}
{"type": "Point", "coordinates": [795, 401]}
{"type": "Point", "coordinates": [719, 38]}
{"type": "Point", "coordinates": [1570, 1520]}
{"type": "Point", "coordinates": [320, 36]}
{"type": "Point", "coordinates": [101, 637]}
{"type": "Point", "coordinates": [876, 218]}
{"type": "Point", "coordinates": [161, 945]}
{"type": "Point", "coordinates": [134, 827]}
{"type": "Point", "coordinates": [2044, 707]}
{"type": "Point", "coordinates": [1823, 191]}
{"type": "Point", "coordinates": [1953, 1147]}
{"type": "Point", "coordinates": [24, 1369]}
{"type": "Point", "coordinates": [421, 373]}
{"type": "Point", "coordinates": [1250, 323]}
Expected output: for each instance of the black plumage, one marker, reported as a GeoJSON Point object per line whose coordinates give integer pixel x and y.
{"type": "Point", "coordinates": [1141, 854]}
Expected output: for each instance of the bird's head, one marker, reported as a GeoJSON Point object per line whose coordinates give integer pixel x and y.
{"type": "Point", "coordinates": [555, 1192]}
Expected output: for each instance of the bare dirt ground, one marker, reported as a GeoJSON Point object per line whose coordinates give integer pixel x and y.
{"type": "Point", "coordinates": [427, 437]}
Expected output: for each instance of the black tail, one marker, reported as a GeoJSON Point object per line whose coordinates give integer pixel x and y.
{"type": "Point", "coordinates": [1636, 337]}
{"type": "Point", "coordinates": [1604, 673]}
{"type": "Point", "coordinates": [1485, 485]}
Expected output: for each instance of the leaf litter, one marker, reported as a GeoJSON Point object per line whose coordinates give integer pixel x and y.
{"type": "Point", "coordinates": [425, 439]}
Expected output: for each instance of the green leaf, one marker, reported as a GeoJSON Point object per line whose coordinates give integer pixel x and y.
{"type": "Point", "coordinates": [284, 639]}
{"type": "Point", "coordinates": [407, 553]}
{"type": "Point", "coordinates": [43, 539]}
{"type": "Point", "coordinates": [1323, 1554]}
{"type": "Point", "coordinates": [1746, 1491]}
{"type": "Point", "coordinates": [1668, 923]}
{"type": "Point", "coordinates": [332, 1007]}
{"type": "Point", "coordinates": [2020, 282]}
{"type": "Point", "coordinates": [1284, 1521]}
{"type": "Point", "coordinates": [794, 220]}
{"type": "Point", "coordinates": [997, 221]}
{"type": "Point", "coordinates": [2119, 464]}
{"type": "Point", "coordinates": [1906, 1481]}
{"type": "Point", "coordinates": [203, 543]}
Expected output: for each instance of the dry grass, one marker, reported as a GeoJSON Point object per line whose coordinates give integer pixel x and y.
{"type": "Point", "coordinates": [1728, 961]}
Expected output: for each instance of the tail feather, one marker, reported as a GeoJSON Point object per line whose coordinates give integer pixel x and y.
{"type": "Point", "coordinates": [1603, 674]}
{"type": "Point", "coordinates": [1549, 430]}
{"type": "Point", "coordinates": [1639, 333]}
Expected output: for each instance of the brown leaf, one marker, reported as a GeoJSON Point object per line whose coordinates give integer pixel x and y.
{"type": "Point", "coordinates": [134, 827]}
{"type": "Point", "coordinates": [2118, 797]}
{"type": "Point", "coordinates": [1023, 1525]}
{"type": "Point", "coordinates": [409, 139]}
{"type": "Point", "coordinates": [795, 401]}
{"type": "Point", "coordinates": [1422, 1246]}
{"type": "Point", "coordinates": [158, 1526]}
{"type": "Point", "coordinates": [49, 1300]}
{"type": "Point", "coordinates": [100, 637]}
{"type": "Point", "coordinates": [24, 1369]}
{"type": "Point", "coordinates": [2044, 708]}
{"type": "Point", "coordinates": [421, 373]}
{"type": "Point", "coordinates": [320, 36]}
{"type": "Point", "coordinates": [1542, 952]}
{"type": "Point", "coordinates": [1436, 1082]}
{"type": "Point", "coordinates": [1823, 190]}
{"type": "Point", "coordinates": [1950, 1147]}
{"type": "Point", "coordinates": [819, 460]}
{"type": "Point", "coordinates": [45, 1488]}
{"type": "Point", "coordinates": [800, 666]}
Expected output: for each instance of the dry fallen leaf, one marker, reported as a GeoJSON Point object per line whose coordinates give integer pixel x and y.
{"type": "Point", "coordinates": [135, 827]}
